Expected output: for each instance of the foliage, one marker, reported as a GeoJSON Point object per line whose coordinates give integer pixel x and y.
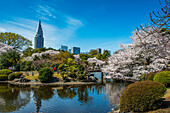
{"type": "Point", "coordinates": [105, 54]}
{"type": "Point", "coordinates": [84, 56]}
{"type": "Point", "coordinates": [56, 65]}
{"type": "Point", "coordinates": [163, 77]}
{"type": "Point", "coordinates": [45, 74]}
{"type": "Point", "coordinates": [61, 67]}
{"type": "Point", "coordinates": [9, 59]}
{"type": "Point", "coordinates": [141, 96]}
{"type": "Point", "coordinates": [3, 77]}
{"type": "Point", "coordinates": [11, 76]}
{"type": "Point", "coordinates": [26, 66]}
{"type": "Point", "coordinates": [15, 40]}
{"type": "Point", "coordinates": [70, 62]}
{"type": "Point", "coordinates": [5, 72]}
{"type": "Point", "coordinates": [93, 52]}
{"type": "Point", "coordinates": [99, 56]}
{"type": "Point", "coordinates": [150, 76]}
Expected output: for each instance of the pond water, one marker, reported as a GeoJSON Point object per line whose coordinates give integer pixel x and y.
{"type": "Point", "coordinates": [99, 98]}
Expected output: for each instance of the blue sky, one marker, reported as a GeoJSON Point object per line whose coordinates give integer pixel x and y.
{"type": "Point", "coordinates": [88, 24]}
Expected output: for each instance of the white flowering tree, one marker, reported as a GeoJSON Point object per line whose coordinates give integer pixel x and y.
{"type": "Point", "coordinates": [4, 48]}
{"type": "Point", "coordinates": [149, 51]}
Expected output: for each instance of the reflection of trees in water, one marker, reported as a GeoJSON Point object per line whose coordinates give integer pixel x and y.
{"type": "Point", "coordinates": [43, 92]}
{"type": "Point", "coordinates": [83, 94]}
{"type": "Point", "coordinates": [66, 93]}
{"type": "Point", "coordinates": [113, 92]}
{"type": "Point", "coordinates": [70, 92]}
{"type": "Point", "coordinates": [12, 98]}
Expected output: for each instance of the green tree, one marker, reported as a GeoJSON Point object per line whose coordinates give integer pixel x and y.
{"type": "Point", "coordinates": [15, 40]}
{"type": "Point", "coordinates": [70, 62]}
{"type": "Point", "coordinates": [9, 59]}
{"type": "Point", "coordinates": [105, 54]}
{"type": "Point", "coordinates": [84, 56]}
{"type": "Point", "coordinates": [99, 56]}
{"type": "Point", "coordinates": [28, 52]}
{"type": "Point", "coordinates": [93, 52]}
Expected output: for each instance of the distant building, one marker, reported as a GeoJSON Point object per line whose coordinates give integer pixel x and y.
{"type": "Point", "coordinates": [39, 39]}
{"type": "Point", "coordinates": [84, 52]}
{"type": "Point", "coordinates": [65, 48]}
{"type": "Point", "coordinates": [69, 50]}
{"type": "Point", "coordinates": [75, 50]}
{"type": "Point", "coordinates": [103, 51]}
{"type": "Point", "coordinates": [99, 50]}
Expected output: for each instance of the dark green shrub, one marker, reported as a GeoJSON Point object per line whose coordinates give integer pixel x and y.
{"type": "Point", "coordinates": [5, 72]}
{"type": "Point", "coordinates": [11, 76]}
{"type": "Point", "coordinates": [150, 76]}
{"type": "Point", "coordinates": [3, 77]}
{"type": "Point", "coordinates": [18, 75]}
{"type": "Point", "coordinates": [141, 96]}
{"type": "Point", "coordinates": [163, 77]}
{"type": "Point", "coordinates": [45, 74]}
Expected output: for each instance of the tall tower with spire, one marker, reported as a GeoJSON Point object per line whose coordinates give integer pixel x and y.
{"type": "Point", "coordinates": [39, 39]}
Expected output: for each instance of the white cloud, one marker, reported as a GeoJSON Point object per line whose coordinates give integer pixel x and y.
{"type": "Point", "coordinates": [2, 29]}
{"type": "Point", "coordinates": [45, 10]}
{"type": "Point", "coordinates": [54, 36]}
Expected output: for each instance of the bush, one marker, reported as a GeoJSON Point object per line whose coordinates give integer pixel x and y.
{"type": "Point", "coordinates": [5, 72]}
{"type": "Point", "coordinates": [18, 75]}
{"type": "Point", "coordinates": [3, 77]}
{"type": "Point", "coordinates": [163, 77]}
{"type": "Point", "coordinates": [150, 76]}
{"type": "Point", "coordinates": [61, 67]}
{"type": "Point", "coordinates": [45, 74]}
{"type": "Point", "coordinates": [12, 76]}
{"type": "Point", "coordinates": [141, 96]}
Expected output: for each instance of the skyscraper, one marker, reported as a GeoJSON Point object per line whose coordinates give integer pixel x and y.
{"type": "Point", "coordinates": [39, 39]}
{"type": "Point", "coordinates": [75, 50]}
{"type": "Point", "coordinates": [65, 48]}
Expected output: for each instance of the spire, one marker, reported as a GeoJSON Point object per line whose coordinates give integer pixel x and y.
{"type": "Point", "coordinates": [39, 39]}
{"type": "Point", "coordinates": [39, 20]}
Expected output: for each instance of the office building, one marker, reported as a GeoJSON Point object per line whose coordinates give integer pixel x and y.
{"type": "Point", "coordinates": [75, 50]}
{"type": "Point", "coordinates": [64, 48]}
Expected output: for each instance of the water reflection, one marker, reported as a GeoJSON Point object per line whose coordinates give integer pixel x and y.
{"type": "Point", "coordinates": [89, 97]}
{"type": "Point", "coordinates": [12, 98]}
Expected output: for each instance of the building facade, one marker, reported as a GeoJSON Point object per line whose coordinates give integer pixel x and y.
{"type": "Point", "coordinates": [75, 50]}
{"type": "Point", "coordinates": [39, 39]}
{"type": "Point", "coordinates": [64, 48]}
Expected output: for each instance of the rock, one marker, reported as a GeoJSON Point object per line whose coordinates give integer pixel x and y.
{"type": "Point", "coordinates": [16, 80]}
{"type": "Point", "coordinates": [23, 80]}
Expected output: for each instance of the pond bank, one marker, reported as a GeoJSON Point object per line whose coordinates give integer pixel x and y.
{"type": "Point", "coordinates": [49, 84]}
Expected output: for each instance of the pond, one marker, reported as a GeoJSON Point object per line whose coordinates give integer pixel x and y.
{"type": "Point", "coordinates": [100, 98]}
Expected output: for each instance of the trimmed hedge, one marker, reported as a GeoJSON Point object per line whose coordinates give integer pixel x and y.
{"type": "Point", "coordinates": [141, 96]}
{"type": "Point", "coordinates": [12, 76]}
{"type": "Point", "coordinates": [5, 72]}
{"type": "Point", "coordinates": [163, 77]}
{"type": "Point", "coordinates": [45, 74]}
{"type": "Point", "coordinates": [3, 77]}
